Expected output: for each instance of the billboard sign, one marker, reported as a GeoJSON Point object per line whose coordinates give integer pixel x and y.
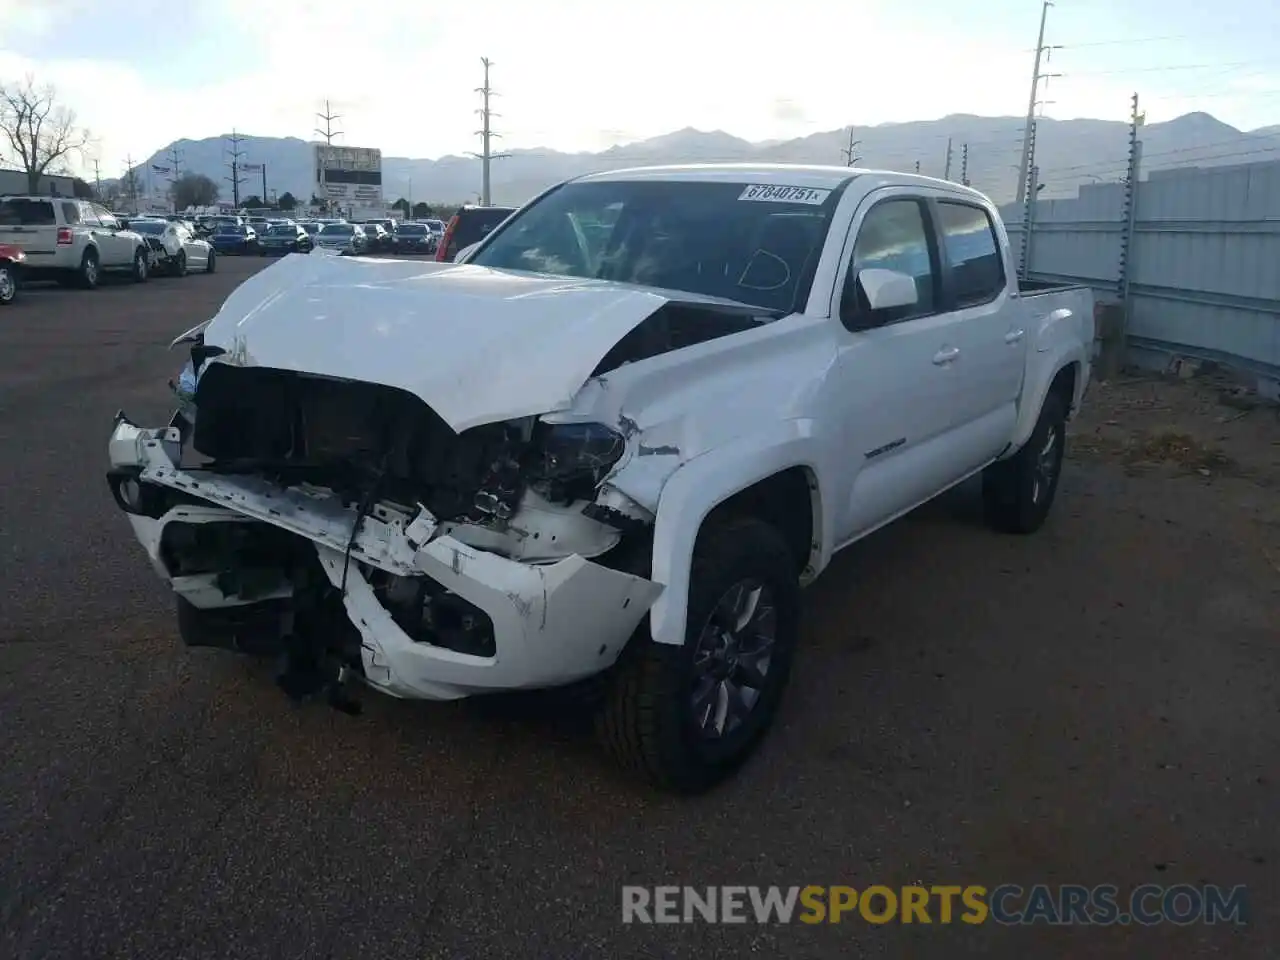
{"type": "Point", "coordinates": [349, 176]}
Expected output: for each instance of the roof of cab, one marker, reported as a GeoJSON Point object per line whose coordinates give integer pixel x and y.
{"type": "Point", "coordinates": [791, 174]}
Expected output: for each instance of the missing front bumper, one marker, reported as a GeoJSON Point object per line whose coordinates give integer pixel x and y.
{"type": "Point", "coordinates": [552, 623]}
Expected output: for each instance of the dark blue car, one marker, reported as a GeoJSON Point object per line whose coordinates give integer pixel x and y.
{"type": "Point", "coordinates": [232, 238]}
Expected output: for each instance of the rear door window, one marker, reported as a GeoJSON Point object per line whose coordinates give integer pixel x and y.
{"type": "Point", "coordinates": [972, 251]}
{"type": "Point", "coordinates": [70, 213]}
{"type": "Point", "coordinates": [21, 212]}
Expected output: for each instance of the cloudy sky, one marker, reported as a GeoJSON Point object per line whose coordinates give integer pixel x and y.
{"type": "Point", "coordinates": [578, 75]}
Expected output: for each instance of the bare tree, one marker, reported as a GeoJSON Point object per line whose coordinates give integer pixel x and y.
{"type": "Point", "coordinates": [36, 130]}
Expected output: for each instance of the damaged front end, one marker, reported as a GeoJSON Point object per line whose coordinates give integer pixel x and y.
{"type": "Point", "coordinates": [347, 528]}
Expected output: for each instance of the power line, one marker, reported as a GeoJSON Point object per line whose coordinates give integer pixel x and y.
{"type": "Point", "coordinates": [234, 155]}
{"type": "Point", "coordinates": [486, 135]}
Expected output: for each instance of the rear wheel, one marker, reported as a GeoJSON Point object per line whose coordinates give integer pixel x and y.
{"type": "Point", "coordinates": [87, 274]}
{"type": "Point", "coordinates": [211, 264]}
{"type": "Point", "coordinates": [687, 716]}
{"type": "Point", "coordinates": [180, 264]}
{"type": "Point", "coordinates": [8, 283]}
{"type": "Point", "coordinates": [1017, 493]}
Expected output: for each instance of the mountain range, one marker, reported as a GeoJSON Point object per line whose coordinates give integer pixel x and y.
{"type": "Point", "coordinates": [1069, 153]}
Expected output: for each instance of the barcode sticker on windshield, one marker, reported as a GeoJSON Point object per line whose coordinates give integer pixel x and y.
{"type": "Point", "coordinates": [769, 193]}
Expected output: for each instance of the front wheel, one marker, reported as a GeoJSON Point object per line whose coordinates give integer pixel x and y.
{"type": "Point", "coordinates": [687, 716]}
{"type": "Point", "coordinates": [8, 284]}
{"type": "Point", "coordinates": [1017, 493]}
{"type": "Point", "coordinates": [180, 265]}
{"type": "Point", "coordinates": [141, 266]}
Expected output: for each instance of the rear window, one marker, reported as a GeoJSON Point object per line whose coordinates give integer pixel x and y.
{"type": "Point", "coordinates": [228, 229]}
{"type": "Point", "coordinates": [283, 230]}
{"type": "Point", "coordinates": [26, 213]}
{"type": "Point", "coordinates": [337, 229]}
{"type": "Point", "coordinates": [149, 226]}
{"type": "Point", "coordinates": [752, 243]}
{"type": "Point", "coordinates": [413, 230]}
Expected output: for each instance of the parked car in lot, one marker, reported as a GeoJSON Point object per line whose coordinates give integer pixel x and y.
{"type": "Point", "coordinates": [313, 228]}
{"type": "Point", "coordinates": [415, 238]}
{"type": "Point", "coordinates": [11, 260]}
{"type": "Point", "coordinates": [71, 240]}
{"type": "Point", "coordinates": [286, 238]}
{"type": "Point", "coordinates": [343, 238]}
{"type": "Point", "coordinates": [377, 238]}
{"type": "Point", "coordinates": [177, 249]}
{"type": "Point", "coordinates": [605, 459]}
{"type": "Point", "coordinates": [468, 226]}
{"type": "Point", "coordinates": [233, 238]}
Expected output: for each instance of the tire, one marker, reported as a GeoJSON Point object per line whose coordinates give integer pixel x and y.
{"type": "Point", "coordinates": [141, 266]}
{"type": "Point", "coordinates": [180, 265]}
{"type": "Point", "coordinates": [1017, 493]}
{"type": "Point", "coordinates": [8, 284]}
{"type": "Point", "coordinates": [211, 264]}
{"type": "Point", "coordinates": [649, 721]}
{"type": "Point", "coordinates": [88, 274]}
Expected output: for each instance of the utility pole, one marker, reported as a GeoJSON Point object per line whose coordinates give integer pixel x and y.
{"type": "Point", "coordinates": [1130, 209]}
{"type": "Point", "coordinates": [175, 162]}
{"type": "Point", "coordinates": [486, 135]}
{"type": "Point", "coordinates": [328, 117]}
{"type": "Point", "coordinates": [1036, 76]}
{"type": "Point", "coordinates": [265, 198]}
{"type": "Point", "coordinates": [97, 178]}
{"type": "Point", "coordinates": [131, 183]}
{"type": "Point", "coordinates": [235, 154]}
{"type": "Point", "coordinates": [946, 169]}
{"type": "Point", "coordinates": [328, 133]}
{"type": "Point", "coordinates": [850, 159]}
{"type": "Point", "coordinates": [964, 165]}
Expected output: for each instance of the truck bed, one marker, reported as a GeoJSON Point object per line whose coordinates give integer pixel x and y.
{"type": "Point", "coordinates": [1036, 288]}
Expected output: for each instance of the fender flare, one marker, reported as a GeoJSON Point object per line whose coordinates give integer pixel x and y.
{"type": "Point", "coordinates": [703, 483]}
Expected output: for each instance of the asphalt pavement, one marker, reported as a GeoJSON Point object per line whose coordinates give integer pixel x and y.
{"type": "Point", "coordinates": [1095, 704]}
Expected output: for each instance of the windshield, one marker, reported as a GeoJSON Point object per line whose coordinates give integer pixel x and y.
{"type": "Point", "coordinates": [413, 230]}
{"type": "Point", "coordinates": [149, 226]}
{"type": "Point", "coordinates": [337, 229]}
{"type": "Point", "coordinates": [753, 244]}
{"type": "Point", "coordinates": [370, 227]}
{"type": "Point", "coordinates": [282, 230]}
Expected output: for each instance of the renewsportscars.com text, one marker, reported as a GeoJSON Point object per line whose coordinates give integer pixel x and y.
{"type": "Point", "coordinates": [1006, 904]}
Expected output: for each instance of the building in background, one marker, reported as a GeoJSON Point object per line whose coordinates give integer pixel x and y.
{"type": "Point", "coordinates": [350, 179]}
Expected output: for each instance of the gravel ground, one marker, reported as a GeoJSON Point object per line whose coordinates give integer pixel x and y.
{"type": "Point", "coordinates": [1095, 704]}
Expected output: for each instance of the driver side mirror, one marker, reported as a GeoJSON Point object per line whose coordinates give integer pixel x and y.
{"type": "Point", "coordinates": [875, 297]}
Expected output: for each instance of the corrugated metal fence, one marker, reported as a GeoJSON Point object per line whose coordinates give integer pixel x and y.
{"type": "Point", "coordinates": [1204, 261]}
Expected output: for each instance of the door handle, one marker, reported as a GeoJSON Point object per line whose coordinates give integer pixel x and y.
{"type": "Point", "coordinates": [1013, 336]}
{"type": "Point", "coordinates": [946, 355]}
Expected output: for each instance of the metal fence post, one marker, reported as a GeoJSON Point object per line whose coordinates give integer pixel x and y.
{"type": "Point", "coordinates": [1130, 217]}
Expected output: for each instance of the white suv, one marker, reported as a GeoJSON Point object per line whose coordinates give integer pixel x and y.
{"type": "Point", "coordinates": [71, 240]}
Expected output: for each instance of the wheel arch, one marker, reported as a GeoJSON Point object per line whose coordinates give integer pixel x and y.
{"type": "Point", "coordinates": [778, 482]}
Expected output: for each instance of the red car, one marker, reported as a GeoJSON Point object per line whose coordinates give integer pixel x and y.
{"type": "Point", "coordinates": [11, 260]}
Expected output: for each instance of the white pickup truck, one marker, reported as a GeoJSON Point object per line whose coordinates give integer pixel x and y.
{"type": "Point", "coordinates": [613, 444]}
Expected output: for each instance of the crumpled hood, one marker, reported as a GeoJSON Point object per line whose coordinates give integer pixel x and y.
{"type": "Point", "coordinates": [477, 345]}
